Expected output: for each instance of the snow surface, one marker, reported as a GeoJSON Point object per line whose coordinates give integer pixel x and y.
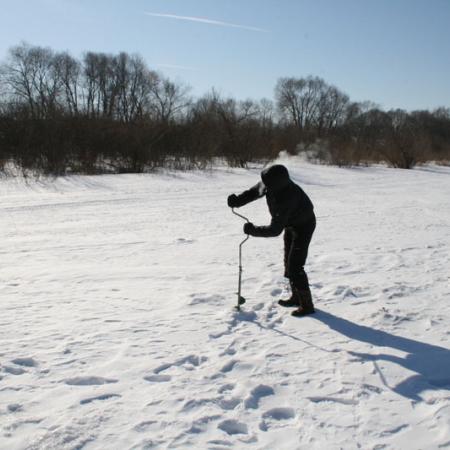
{"type": "Point", "coordinates": [117, 328]}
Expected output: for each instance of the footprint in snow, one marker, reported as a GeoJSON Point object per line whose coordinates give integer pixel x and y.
{"type": "Point", "coordinates": [228, 367]}
{"type": "Point", "coordinates": [144, 426]}
{"type": "Point", "coordinates": [13, 370]}
{"type": "Point", "coordinates": [279, 414]}
{"type": "Point", "coordinates": [15, 407]}
{"type": "Point", "coordinates": [196, 403]}
{"type": "Point", "coordinates": [230, 350]}
{"type": "Point", "coordinates": [276, 292]}
{"type": "Point", "coordinates": [226, 387]}
{"type": "Point", "coordinates": [275, 415]}
{"type": "Point", "coordinates": [221, 442]}
{"type": "Point", "coordinates": [98, 397]}
{"type": "Point", "coordinates": [367, 390]}
{"type": "Point", "coordinates": [199, 425]}
{"type": "Point", "coordinates": [252, 401]}
{"type": "Point", "coordinates": [237, 317]}
{"type": "Point", "coordinates": [229, 404]}
{"type": "Point", "coordinates": [184, 241]}
{"type": "Point", "coordinates": [225, 403]}
{"type": "Point", "coordinates": [342, 401]}
{"type": "Point", "coordinates": [233, 427]}
{"type": "Point", "coordinates": [344, 292]}
{"type": "Point", "coordinates": [258, 307]}
{"type": "Point", "coordinates": [88, 381]}
{"type": "Point", "coordinates": [188, 363]}
{"type": "Point", "coordinates": [25, 362]}
{"type": "Point", "coordinates": [200, 299]}
{"type": "Point", "coordinates": [158, 378]}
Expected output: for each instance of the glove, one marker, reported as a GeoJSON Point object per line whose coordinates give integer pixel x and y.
{"type": "Point", "coordinates": [249, 228]}
{"type": "Point", "coordinates": [232, 201]}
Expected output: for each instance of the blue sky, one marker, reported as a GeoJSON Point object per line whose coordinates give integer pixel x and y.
{"type": "Point", "coordinates": [393, 52]}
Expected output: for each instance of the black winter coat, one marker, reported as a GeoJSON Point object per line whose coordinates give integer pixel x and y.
{"type": "Point", "coordinates": [288, 204]}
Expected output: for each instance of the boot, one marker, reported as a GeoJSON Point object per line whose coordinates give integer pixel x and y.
{"type": "Point", "coordinates": [294, 300]}
{"type": "Point", "coordinates": [306, 304]}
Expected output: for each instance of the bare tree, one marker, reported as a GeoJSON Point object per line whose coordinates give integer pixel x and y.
{"type": "Point", "coordinates": [135, 85]}
{"type": "Point", "coordinates": [167, 99]}
{"type": "Point", "coordinates": [101, 84]}
{"type": "Point", "coordinates": [32, 77]}
{"type": "Point", "coordinates": [310, 104]}
{"type": "Point", "coordinates": [331, 110]}
{"type": "Point", "coordinates": [69, 72]}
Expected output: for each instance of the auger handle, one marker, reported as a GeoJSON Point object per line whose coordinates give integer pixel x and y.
{"type": "Point", "coordinates": [239, 215]}
{"type": "Point", "coordinates": [240, 299]}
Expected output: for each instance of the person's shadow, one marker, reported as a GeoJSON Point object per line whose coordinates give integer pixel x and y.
{"type": "Point", "coordinates": [430, 363]}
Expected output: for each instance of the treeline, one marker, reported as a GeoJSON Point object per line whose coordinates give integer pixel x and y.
{"type": "Point", "coordinates": [111, 113]}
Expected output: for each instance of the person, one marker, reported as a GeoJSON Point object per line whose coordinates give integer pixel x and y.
{"type": "Point", "coordinates": [292, 211]}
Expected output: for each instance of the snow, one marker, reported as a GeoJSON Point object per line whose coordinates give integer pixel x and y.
{"type": "Point", "coordinates": [117, 327]}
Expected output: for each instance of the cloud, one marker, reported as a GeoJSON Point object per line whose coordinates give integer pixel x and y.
{"type": "Point", "coordinates": [207, 21]}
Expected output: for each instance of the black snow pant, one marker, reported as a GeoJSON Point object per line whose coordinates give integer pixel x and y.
{"type": "Point", "coordinates": [296, 243]}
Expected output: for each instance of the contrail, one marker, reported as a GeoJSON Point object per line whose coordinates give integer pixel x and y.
{"type": "Point", "coordinates": [207, 21]}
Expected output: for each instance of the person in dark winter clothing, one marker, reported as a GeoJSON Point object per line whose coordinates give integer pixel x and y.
{"type": "Point", "coordinates": [292, 212]}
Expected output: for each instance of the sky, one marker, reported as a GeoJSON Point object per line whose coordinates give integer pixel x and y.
{"type": "Point", "coordinates": [395, 53]}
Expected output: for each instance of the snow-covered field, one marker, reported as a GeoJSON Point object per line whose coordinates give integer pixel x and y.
{"type": "Point", "coordinates": [117, 328]}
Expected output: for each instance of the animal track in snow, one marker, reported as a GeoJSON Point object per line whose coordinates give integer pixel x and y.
{"type": "Point", "coordinates": [89, 381]}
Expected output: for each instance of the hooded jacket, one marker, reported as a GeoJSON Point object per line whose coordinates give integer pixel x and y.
{"type": "Point", "coordinates": [288, 204]}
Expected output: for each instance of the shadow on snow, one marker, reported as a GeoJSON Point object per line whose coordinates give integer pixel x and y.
{"type": "Point", "coordinates": [430, 363]}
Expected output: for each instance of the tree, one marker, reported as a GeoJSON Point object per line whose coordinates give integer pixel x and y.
{"type": "Point", "coordinates": [69, 72]}
{"type": "Point", "coordinates": [167, 99]}
{"type": "Point", "coordinates": [32, 78]}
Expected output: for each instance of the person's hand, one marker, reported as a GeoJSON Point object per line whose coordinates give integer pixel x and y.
{"type": "Point", "coordinates": [232, 201]}
{"type": "Point", "coordinates": [249, 228]}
